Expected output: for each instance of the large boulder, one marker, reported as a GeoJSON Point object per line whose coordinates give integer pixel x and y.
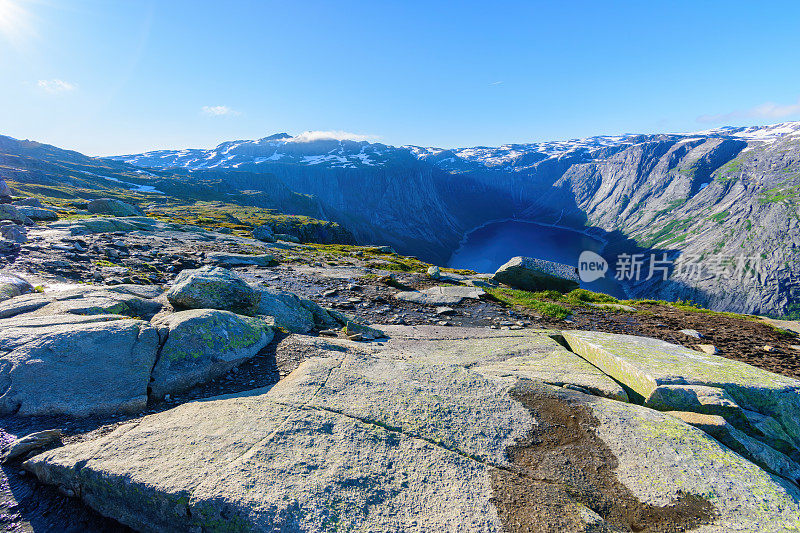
{"type": "Point", "coordinates": [12, 213]}
{"type": "Point", "coordinates": [203, 344]}
{"type": "Point", "coordinates": [213, 288]}
{"type": "Point", "coordinates": [75, 365]}
{"type": "Point", "coordinates": [14, 232]}
{"type": "Point", "coordinates": [408, 437]}
{"type": "Point", "coordinates": [5, 192]}
{"type": "Point", "coordinates": [12, 286]}
{"type": "Point", "coordinates": [669, 377]}
{"type": "Point", "coordinates": [264, 233]}
{"type": "Point", "coordinates": [530, 274]}
{"type": "Point", "coordinates": [32, 202]}
{"type": "Point", "coordinates": [288, 310]}
{"type": "Point", "coordinates": [113, 207]}
{"type": "Point", "coordinates": [37, 213]}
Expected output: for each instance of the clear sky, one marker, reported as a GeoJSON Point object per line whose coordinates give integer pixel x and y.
{"type": "Point", "coordinates": [120, 76]}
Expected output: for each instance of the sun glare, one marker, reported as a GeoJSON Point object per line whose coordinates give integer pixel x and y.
{"type": "Point", "coordinates": [14, 22]}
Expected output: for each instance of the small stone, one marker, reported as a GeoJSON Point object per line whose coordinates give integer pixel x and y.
{"type": "Point", "coordinates": [444, 310]}
{"type": "Point", "coordinates": [692, 333]}
{"type": "Point", "coordinates": [768, 348]}
{"type": "Point", "coordinates": [710, 349]}
{"type": "Point", "coordinates": [358, 337]}
{"type": "Point", "coordinates": [444, 323]}
{"type": "Point", "coordinates": [29, 443]}
{"type": "Point", "coordinates": [795, 347]}
{"type": "Point", "coordinates": [515, 327]}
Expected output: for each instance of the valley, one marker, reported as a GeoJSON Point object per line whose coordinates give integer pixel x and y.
{"type": "Point", "coordinates": [718, 197]}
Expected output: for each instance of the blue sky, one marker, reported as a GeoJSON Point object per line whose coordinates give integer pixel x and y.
{"type": "Point", "coordinates": [119, 76]}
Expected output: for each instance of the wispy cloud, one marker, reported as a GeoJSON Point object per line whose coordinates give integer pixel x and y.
{"type": "Point", "coordinates": [496, 83]}
{"type": "Point", "coordinates": [311, 136]}
{"type": "Point", "coordinates": [219, 111]}
{"type": "Point", "coordinates": [768, 110]}
{"type": "Point", "coordinates": [56, 86]}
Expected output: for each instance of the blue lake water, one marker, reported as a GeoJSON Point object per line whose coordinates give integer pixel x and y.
{"type": "Point", "coordinates": [489, 246]}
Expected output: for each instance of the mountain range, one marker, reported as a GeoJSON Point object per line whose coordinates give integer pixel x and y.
{"type": "Point", "coordinates": [727, 197]}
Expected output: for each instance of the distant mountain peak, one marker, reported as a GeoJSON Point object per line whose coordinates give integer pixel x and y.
{"type": "Point", "coordinates": [277, 137]}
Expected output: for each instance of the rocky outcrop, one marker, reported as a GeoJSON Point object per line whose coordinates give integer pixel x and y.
{"type": "Point", "coordinates": [12, 286]}
{"type": "Point", "coordinates": [5, 192]}
{"type": "Point", "coordinates": [530, 274]}
{"type": "Point", "coordinates": [113, 207]}
{"type": "Point", "coordinates": [75, 365]}
{"type": "Point", "coordinates": [14, 233]}
{"type": "Point", "coordinates": [227, 260]}
{"type": "Point", "coordinates": [203, 344]}
{"type": "Point", "coordinates": [32, 202]}
{"type": "Point", "coordinates": [37, 213]}
{"type": "Point", "coordinates": [213, 288]}
{"type": "Point", "coordinates": [12, 213]}
{"type": "Point", "coordinates": [264, 233]}
{"type": "Point", "coordinates": [416, 434]}
{"type": "Point", "coordinates": [441, 295]}
{"type": "Point", "coordinates": [287, 310]}
{"type": "Point", "coordinates": [81, 301]}
{"type": "Point", "coordinates": [672, 378]}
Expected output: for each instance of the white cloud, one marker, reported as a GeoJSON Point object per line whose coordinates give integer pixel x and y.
{"type": "Point", "coordinates": [219, 111]}
{"type": "Point", "coordinates": [311, 136]}
{"type": "Point", "coordinates": [56, 86]}
{"type": "Point", "coordinates": [768, 110]}
{"type": "Point", "coordinates": [496, 83]}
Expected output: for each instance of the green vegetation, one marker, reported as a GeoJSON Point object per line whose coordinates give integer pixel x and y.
{"type": "Point", "coordinates": [584, 296]}
{"type": "Point", "coordinates": [787, 194]}
{"type": "Point", "coordinates": [529, 300]}
{"type": "Point", "coordinates": [669, 232]}
{"type": "Point", "coordinates": [720, 217]}
{"type": "Point", "coordinates": [732, 167]}
{"type": "Point", "coordinates": [671, 206]}
{"type": "Point", "coordinates": [239, 219]}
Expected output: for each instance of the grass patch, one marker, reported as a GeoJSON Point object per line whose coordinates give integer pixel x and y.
{"type": "Point", "coordinates": [584, 296]}
{"type": "Point", "coordinates": [529, 300]}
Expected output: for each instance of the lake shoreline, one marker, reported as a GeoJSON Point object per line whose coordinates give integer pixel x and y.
{"type": "Point", "coordinates": [463, 240]}
{"type": "Point", "coordinates": [488, 246]}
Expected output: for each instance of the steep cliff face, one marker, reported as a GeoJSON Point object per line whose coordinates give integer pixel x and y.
{"type": "Point", "coordinates": [721, 204]}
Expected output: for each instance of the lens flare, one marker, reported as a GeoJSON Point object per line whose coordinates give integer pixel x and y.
{"type": "Point", "coordinates": [15, 25]}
